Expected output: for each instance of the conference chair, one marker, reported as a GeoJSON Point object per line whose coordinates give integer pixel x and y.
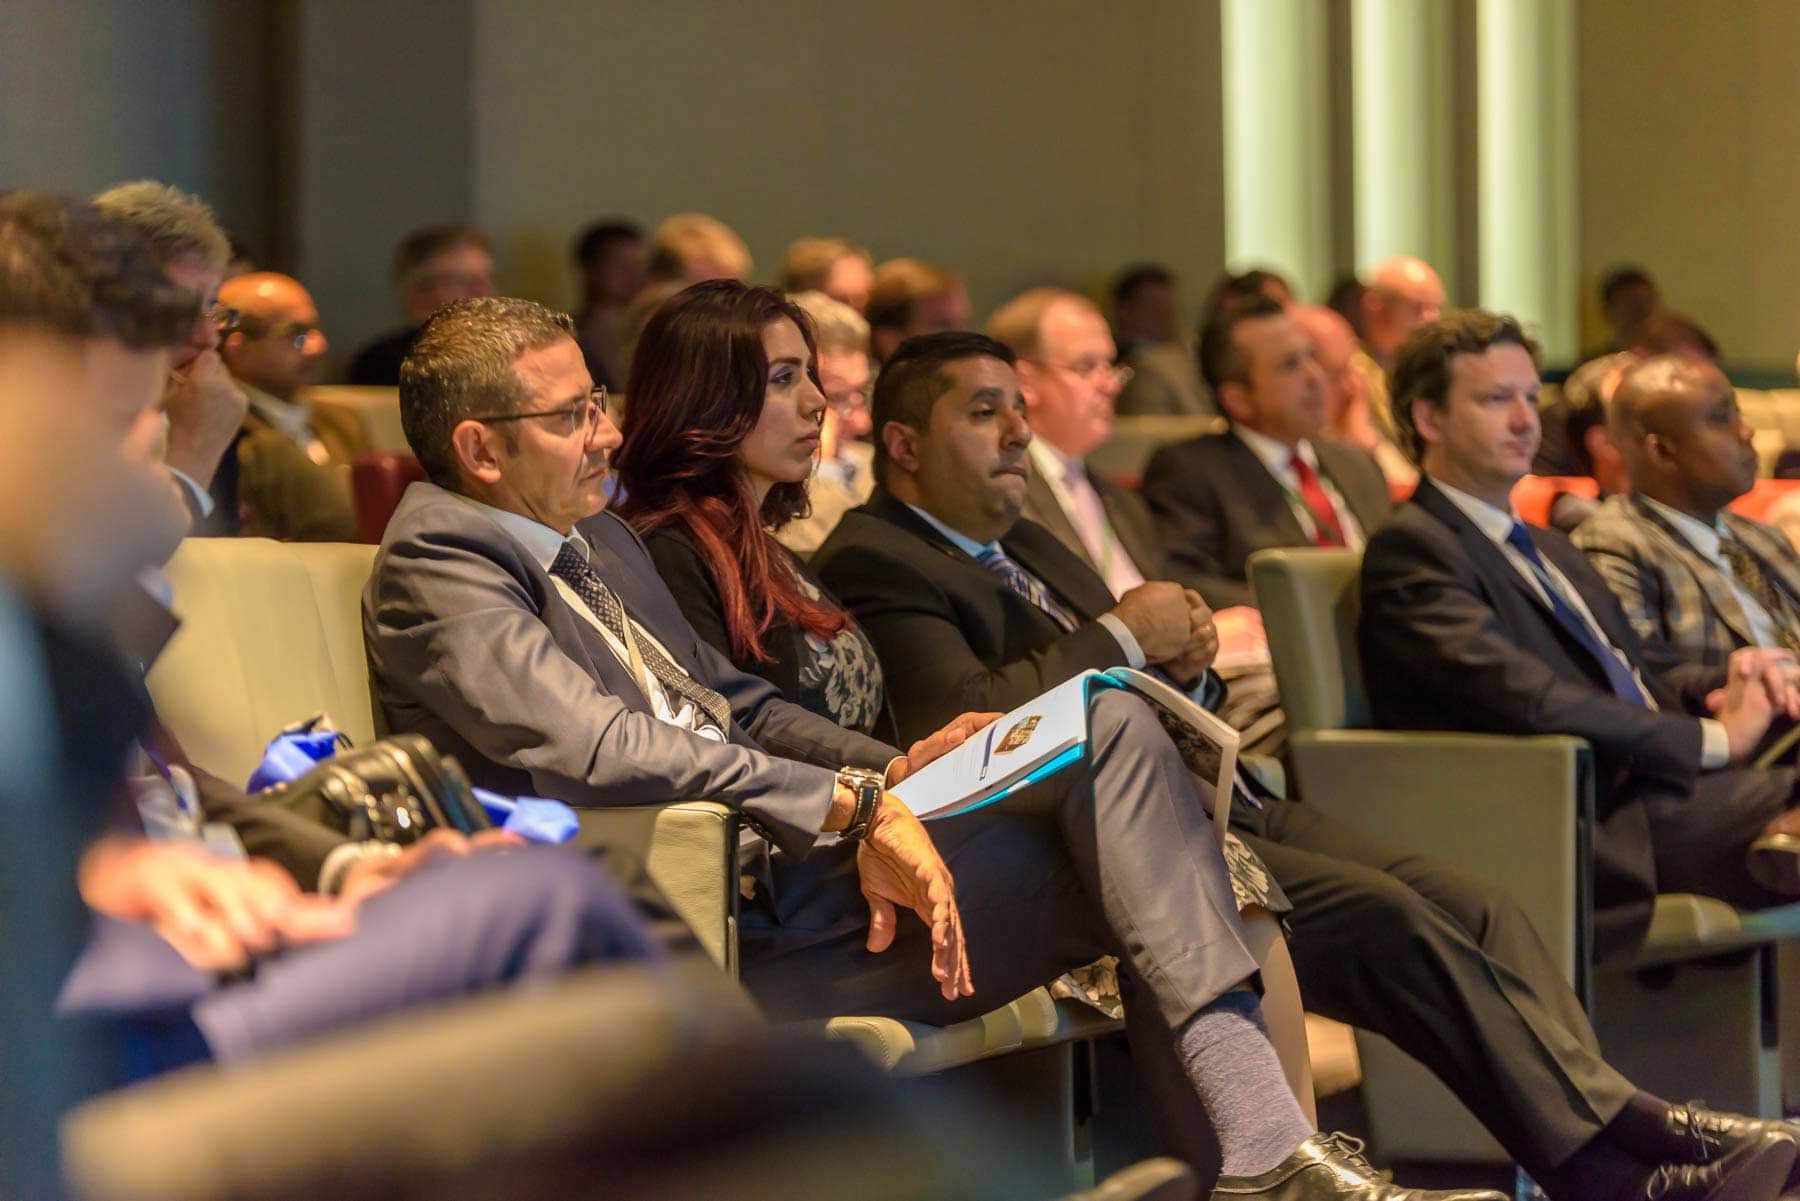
{"type": "Point", "coordinates": [1689, 1013]}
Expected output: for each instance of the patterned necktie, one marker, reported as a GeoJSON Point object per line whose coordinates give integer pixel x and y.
{"type": "Point", "coordinates": [1326, 529]}
{"type": "Point", "coordinates": [1026, 585]}
{"type": "Point", "coordinates": [1749, 572]}
{"type": "Point", "coordinates": [1624, 684]}
{"type": "Point", "coordinates": [572, 567]}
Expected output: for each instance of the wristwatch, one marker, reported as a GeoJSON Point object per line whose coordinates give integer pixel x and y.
{"type": "Point", "coordinates": [867, 787]}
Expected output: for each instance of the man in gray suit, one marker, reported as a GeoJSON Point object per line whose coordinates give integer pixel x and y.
{"type": "Point", "coordinates": [522, 628]}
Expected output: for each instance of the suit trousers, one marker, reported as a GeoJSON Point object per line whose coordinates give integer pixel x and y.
{"type": "Point", "coordinates": [453, 926]}
{"type": "Point", "coordinates": [1446, 967]}
{"type": "Point", "coordinates": [1700, 838]}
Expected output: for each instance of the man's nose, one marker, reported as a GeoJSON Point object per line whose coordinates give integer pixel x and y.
{"type": "Point", "coordinates": [604, 435]}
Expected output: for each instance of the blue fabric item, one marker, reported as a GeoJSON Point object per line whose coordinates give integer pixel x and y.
{"type": "Point", "coordinates": [532, 818]}
{"type": "Point", "coordinates": [1618, 676]}
{"type": "Point", "coordinates": [291, 754]}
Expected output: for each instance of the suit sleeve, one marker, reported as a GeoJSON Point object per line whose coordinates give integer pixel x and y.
{"type": "Point", "coordinates": [1192, 529]}
{"type": "Point", "coordinates": [267, 830]}
{"type": "Point", "coordinates": [1636, 587]}
{"type": "Point", "coordinates": [452, 631]}
{"type": "Point", "coordinates": [1429, 634]}
{"type": "Point", "coordinates": [932, 672]}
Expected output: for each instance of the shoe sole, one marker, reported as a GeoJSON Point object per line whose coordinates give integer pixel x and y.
{"type": "Point", "coordinates": [1761, 1176]}
{"type": "Point", "coordinates": [1774, 862]}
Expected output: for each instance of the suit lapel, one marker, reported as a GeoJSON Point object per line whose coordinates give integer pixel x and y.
{"type": "Point", "coordinates": [1268, 501]}
{"type": "Point", "coordinates": [1040, 502]}
{"type": "Point", "coordinates": [1074, 583]}
{"type": "Point", "coordinates": [1137, 536]}
{"type": "Point", "coordinates": [1337, 462]}
{"type": "Point", "coordinates": [1706, 574]}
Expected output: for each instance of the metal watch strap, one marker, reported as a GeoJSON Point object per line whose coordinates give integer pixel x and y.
{"type": "Point", "coordinates": [867, 788]}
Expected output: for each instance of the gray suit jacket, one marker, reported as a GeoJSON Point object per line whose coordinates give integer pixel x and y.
{"type": "Point", "coordinates": [1671, 592]}
{"type": "Point", "coordinates": [471, 644]}
{"type": "Point", "coordinates": [1126, 510]}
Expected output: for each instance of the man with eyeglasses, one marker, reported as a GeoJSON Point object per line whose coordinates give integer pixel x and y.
{"type": "Point", "coordinates": [202, 407]}
{"type": "Point", "coordinates": [1271, 480]}
{"type": "Point", "coordinates": [288, 475]}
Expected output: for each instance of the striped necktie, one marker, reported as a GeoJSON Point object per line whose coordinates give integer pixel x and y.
{"type": "Point", "coordinates": [1026, 585]}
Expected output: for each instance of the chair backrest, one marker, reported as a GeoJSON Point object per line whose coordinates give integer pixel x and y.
{"type": "Point", "coordinates": [1533, 495]}
{"type": "Point", "coordinates": [1755, 503]}
{"type": "Point", "coordinates": [377, 482]}
{"type": "Point", "coordinates": [1309, 607]}
{"type": "Point", "coordinates": [375, 410]}
{"type": "Point", "coordinates": [1123, 456]}
{"type": "Point", "coordinates": [271, 634]}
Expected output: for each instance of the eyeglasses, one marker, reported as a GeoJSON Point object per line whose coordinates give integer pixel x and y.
{"type": "Point", "coordinates": [296, 334]}
{"type": "Point", "coordinates": [1096, 372]}
{"type": "Point", "coordinates": [582, 416]}
{"type": "Point", "coordinates": [224, 320]}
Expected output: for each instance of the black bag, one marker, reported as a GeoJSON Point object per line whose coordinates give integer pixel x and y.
{"type": "Point", "coordinates": [393, 791]}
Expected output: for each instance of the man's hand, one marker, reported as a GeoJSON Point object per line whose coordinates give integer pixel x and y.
{"type": "Point", "coordinates": [899, 866]}
{"type": "Point", "coordinates": [218, 913]}
{"type": "Point", "coordinates": [1160, 618]}
{"type": "Point", "coordinates": [942, 742]}
{"type": "Point", "coordinates": [206, 408]}
{"type": "Point", "coordinates": [375, 873]}
{"type": "Point", "coordinates": [1757, 686]}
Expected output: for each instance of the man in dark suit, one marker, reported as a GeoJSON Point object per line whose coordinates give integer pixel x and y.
{"type": "Point", "coordinates": [526, 630]}
{"type": "Point", "coordinates": [1269, 481]}
{"type": "Point", "coordinates": [1473, 621]}
{"type": "Point", "coordinates": [1437, 961]}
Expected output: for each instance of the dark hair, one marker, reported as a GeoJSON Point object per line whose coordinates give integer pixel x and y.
{"type": "Point", "coordinates": [596, 238]}
{"type": "Point", "coordinates": [1584, 404]}
{"type": "Point", "coordinates": [899, 286]}
{"type": "Point", "coordinates": [1620, 278]}
{"type": "Point", "coordinates": [698, 380]}
{"type": "Point", "coordinates": [422, 245]}
{"type": "Point", "coordinates": [1135, 278]}
{"type": "Point", "coordinates": [914, 377]}
{"type": "Point", "coordinates": [1666, 332]}
{"type": "Point", "coordinates": [68, 269]}
{"type": "Point", "coordinates": [1220, 359]}
{"type": "Point", "coordinates": [1422, 363]}
{"type": "Point", "coordinates": [1346, 300]}
{"type": "Point", "coordinates": [463, 363]}
{"type": "Point", "coordinates": [1228, 289]}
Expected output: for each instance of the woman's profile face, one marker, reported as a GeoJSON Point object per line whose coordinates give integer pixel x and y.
{"type": "Point", "coordinates": [780, 449]}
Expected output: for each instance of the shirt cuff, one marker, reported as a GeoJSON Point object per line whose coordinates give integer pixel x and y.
{"type": "Point", "coordinates": [201, 498]}
{"type": "Point", "coordinates": [1134, 654]}
{"type": "Point", "coordinates": [1715, 747]}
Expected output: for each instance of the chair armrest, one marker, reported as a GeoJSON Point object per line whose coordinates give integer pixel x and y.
{"type": "Point", "coordinates": [1515, 812]}
{"type": "Point", "coordinates": [688, 851]}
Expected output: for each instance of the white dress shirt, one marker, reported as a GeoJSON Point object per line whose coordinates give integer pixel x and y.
{"type": "Point", "coordinates": [1278, 458]}
{"type": "Point", "coordinates": [1715, 746]}
{"type": "Point", "coordinates": [1706, 541]}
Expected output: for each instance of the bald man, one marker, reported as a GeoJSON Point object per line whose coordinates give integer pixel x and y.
{"type": "Point", "coordinates": [1687, 571]}
{"type": "Point", "coordinates": [287, 476]}
{"type": "Point", "coordinates": [1403, 293]}
{"type": "Point", "coordinates": [1355, 391]}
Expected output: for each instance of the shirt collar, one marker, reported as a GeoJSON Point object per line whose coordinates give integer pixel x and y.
{"type": "Point", "coordinates": [539, 540]}
{"type": "Point", "coordinates": [1702, 537]}
{"type": "Point", "coordinates": [962, 542]}
{"type": "Point", "coordinates": [294, 420]}
{"type": "Point", "coordinates": [1276, 455]}
{"type": "Point", "coordinates": [1495, 523]}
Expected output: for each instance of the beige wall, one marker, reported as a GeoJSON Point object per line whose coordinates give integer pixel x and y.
{"type": "Point", "coordinates": [1690, 161]}
{"type": "Point", "coordinates": [1021, 141]}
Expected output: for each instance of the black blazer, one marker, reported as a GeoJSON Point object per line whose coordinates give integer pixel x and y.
{"type": "Point", "coordinates": [1216, 505]}
{"type": "Point", "coordinates": [1452, 638]}
{"type": "Point", "coordinates": [1130, 517]}
{"type": "Point", "coordinates": [951, 636]}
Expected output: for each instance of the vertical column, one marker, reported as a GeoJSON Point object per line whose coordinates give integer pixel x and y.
{"type": "Point", "coordinates": [1278, 193]}
{"type": "Point", "coordinates": [1525, 90]}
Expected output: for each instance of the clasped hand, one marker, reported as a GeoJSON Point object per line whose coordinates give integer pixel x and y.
{"type": "Point", "coordinates": [1760, 683]}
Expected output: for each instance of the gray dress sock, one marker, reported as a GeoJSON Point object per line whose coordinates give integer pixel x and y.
{"type": "Point", "coordinates": [1225, 1049]}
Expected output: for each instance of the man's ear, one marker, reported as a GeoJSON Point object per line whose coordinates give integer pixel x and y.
{"type": "Point", "coordinates": [901, 442]}
{"type": "Point", "coordinates": [1599, 444]}
{"type": "Point", "coordinates": [1234, 398]}
{"type": "Point", "coordinates": [1426, 415]}
{"type": "Point", "coordinates": [478, 449]}
{"type": "Point", "coordinates": [1029, 374]}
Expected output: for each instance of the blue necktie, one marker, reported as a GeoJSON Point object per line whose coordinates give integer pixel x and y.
{"type": "Point", "coordinates": [1026, 585]}
{"type": "Point", "coordinates": [1624, 684]}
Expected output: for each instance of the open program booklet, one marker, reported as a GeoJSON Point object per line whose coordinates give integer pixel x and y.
{"type": "Point", "coordinates": [1050, 732]}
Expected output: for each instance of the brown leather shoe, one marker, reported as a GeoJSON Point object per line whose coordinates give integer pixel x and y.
{"type": "Point", "coordinates": [1774, 858]}
{"type": "Point", "coordinates": [1330, 1166]}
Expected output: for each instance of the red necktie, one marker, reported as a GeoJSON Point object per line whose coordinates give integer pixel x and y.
{"type": "Point", "coordinates": [1326, 530]}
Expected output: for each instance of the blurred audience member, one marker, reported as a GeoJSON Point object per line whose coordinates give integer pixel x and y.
{"type": "Point", "coordinates": [432, 267]}
{"type": "Point", "coordinates": [1230, 288]}
{"type": "Point", "coordinates": [911, 297]}
{"type": "Point", "coordinates": [610, 258]}
{"type": "Point", "coordinates": [840, 269]}
{"type": "Point", "coordinates": [1403, 293]}
{"type": "Point", "coordinates": [1346, 300]}
{"type": "Point", "coordinates": [1668, 332]}
{"type": "Point", "coordinates": [844, 473]}
{"type": "Point", "coordinates": [1273, 479]}
{"type": "Point", "coordinates": [1162, 379]}
{"type": "Point", "coordinates": [688, 248]}
{"type": "Point", "coordinates": [1627, 298]}
{"type": "Point", "coordinates": [287, 476]}
{"type": "Point", "coordinates": [1687, 571]}
{"type": "Point", "coordinates": [1355, 393]}
{"type": "Point", "coordinates": [203, 406]}
{"type": "Point", "coordinates": [1562, 449]}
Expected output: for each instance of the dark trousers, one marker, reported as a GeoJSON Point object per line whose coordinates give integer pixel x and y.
{"type": "Point", "coordinates": [452, 927]}
{"type": "Point", "coordinates": [1448, 969]}
{"type": "Point", "coordinates": [1700, 839]}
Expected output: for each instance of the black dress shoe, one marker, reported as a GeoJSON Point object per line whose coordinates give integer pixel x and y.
{"type": "Point", "coordinates": [1753, 1170]}
{"type": "Point", "coordinates": [1330, 1166]}
{"type": "Point", "coordinates": [1703, 1135]}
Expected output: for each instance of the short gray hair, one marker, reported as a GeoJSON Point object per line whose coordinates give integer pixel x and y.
{"type": "Point", "coordinates": [176, 225]}
{"type": "Point", "coordinates": [463, 364]}
{"type": "Point", "coordinates": [836, 326]}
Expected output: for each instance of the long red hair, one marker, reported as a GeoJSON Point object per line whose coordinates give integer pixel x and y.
{"type": "Point", "coordinates": [696, 390]}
